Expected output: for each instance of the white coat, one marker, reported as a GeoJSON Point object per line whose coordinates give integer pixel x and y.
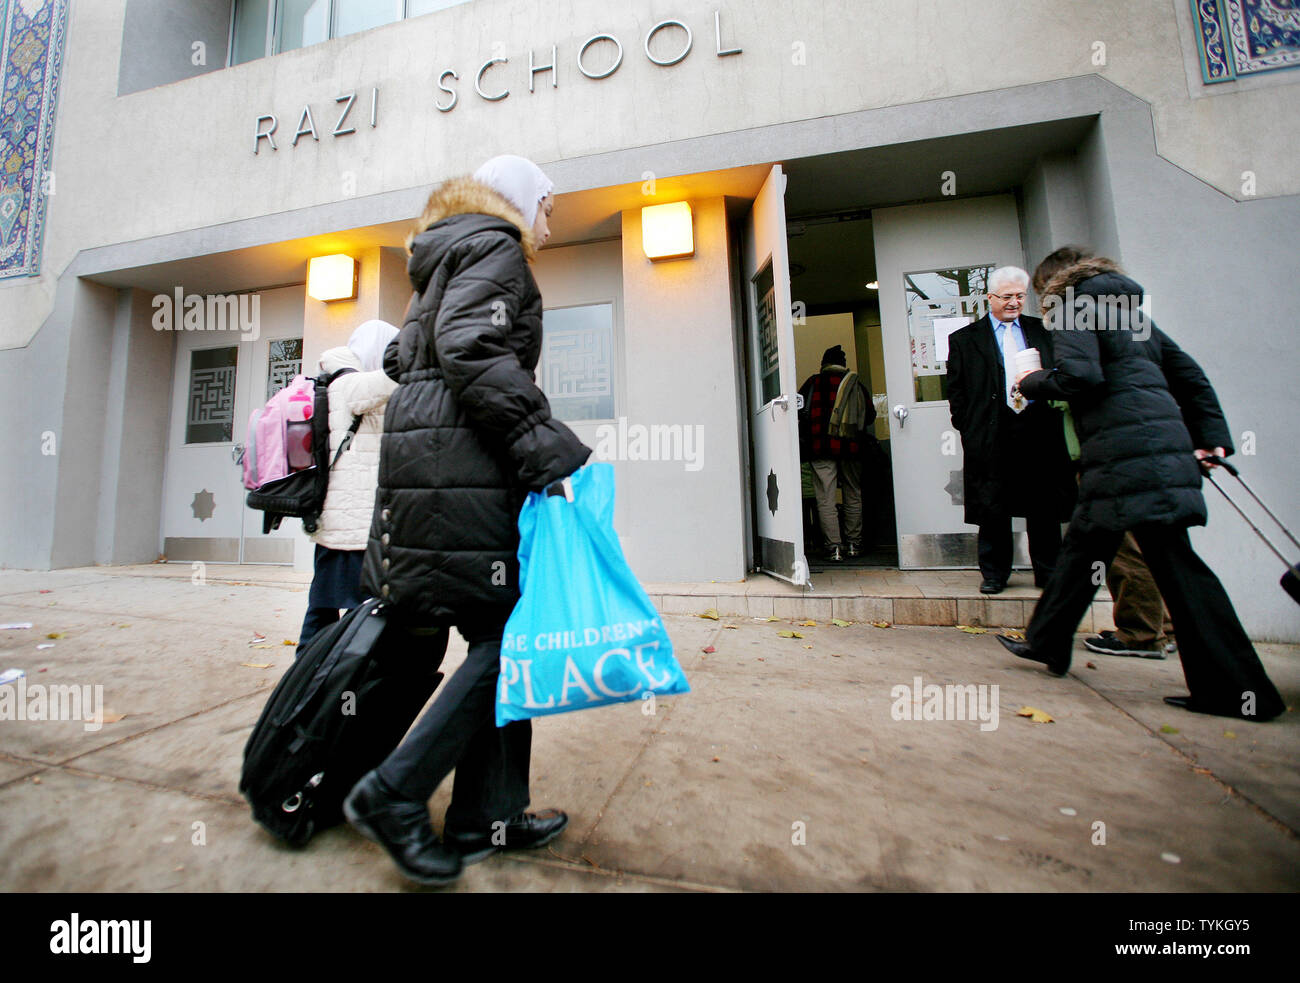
{"type": "Point", "coordinates": [350, 500]}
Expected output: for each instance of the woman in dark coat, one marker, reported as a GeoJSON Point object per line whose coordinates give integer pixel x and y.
{"type": "Point", "coordinates": [1145, 414]}
{"type": "Point", "coordinates": [466, 436]}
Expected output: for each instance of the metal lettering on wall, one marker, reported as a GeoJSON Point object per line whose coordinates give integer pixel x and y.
{"type": "Point", "coordinates": [667, 43]}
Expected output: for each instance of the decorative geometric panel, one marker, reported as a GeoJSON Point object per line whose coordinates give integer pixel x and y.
{"type": "Point", "coordinates": [1237, 38]}
{"type": "Point", "coordinates": [210, 415]}
{"type": "Point", "coordinates": [285, 362]}
{"type": "Point", "coordinates": [577, 363]}
{"type": "Point", "coordinates": [31, 57]}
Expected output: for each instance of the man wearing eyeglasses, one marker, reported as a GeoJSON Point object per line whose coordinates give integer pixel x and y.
{"type": "Point", "coordinates": [1015, 461]}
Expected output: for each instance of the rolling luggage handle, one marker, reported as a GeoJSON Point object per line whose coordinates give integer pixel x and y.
{"type": "Point", "coordinates": [1291, 579]}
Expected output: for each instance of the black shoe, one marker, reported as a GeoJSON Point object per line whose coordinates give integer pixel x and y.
{"type": "Point", "coordinates": [1023, 650]}
{"type": "Point", "coordinates": [526, 831]}
{"type": "Point", "coordinates": [402, 828]}
{"type": "Point", "coordinates": [992, 585]}
{"type": "Point", "coordinates": [1108, 643]}
{"type": "Point", "coordinates": [1187, 703]}
{"type": "Point", "coordinates": [836, 553]}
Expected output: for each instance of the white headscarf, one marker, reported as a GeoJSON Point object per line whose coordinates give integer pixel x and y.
{"type": "Point", "coordinates": [518, 179]}
{"type": "Point", "coordinates": [369, 341]}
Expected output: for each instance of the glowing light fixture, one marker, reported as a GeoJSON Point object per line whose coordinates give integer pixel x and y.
{"type": "Point", "coordinates": [873, 285]}
{"type": "Point", "coordinates": [666, 231]}
{"type": "Point", "coordinates": [332, 277]}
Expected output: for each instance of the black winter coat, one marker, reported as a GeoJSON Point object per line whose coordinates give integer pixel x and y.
{"type": "Point", "coordinates": [1010, 465]}
{"type": "Point", "coordinates": [1140, 404]}
{"type": "Point", "coordinates": [467, 433]}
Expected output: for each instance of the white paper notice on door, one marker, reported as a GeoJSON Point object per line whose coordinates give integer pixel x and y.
{"type": "Point", "coordinates": [943, 327]}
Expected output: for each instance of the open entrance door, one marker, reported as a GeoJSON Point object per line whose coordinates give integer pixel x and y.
{"type": "Point", "coordinates": [773, 424]}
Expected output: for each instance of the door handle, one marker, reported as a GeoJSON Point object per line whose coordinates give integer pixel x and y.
{"type": "Point", "coordinates": [900, 411]}
{"type": "Point", "coordinates": [783, 401]}
{"type": "Point", "coordinates": [237, 454]}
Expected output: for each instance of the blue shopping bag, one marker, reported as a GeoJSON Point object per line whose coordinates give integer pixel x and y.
{"type": "Point", "coordinates": [584, 633]}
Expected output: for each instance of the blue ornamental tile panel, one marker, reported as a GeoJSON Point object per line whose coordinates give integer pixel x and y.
{"type": "Point", "coordinates": [1238, 38]}
{"type": "Point", "coordinates": [31, 57]}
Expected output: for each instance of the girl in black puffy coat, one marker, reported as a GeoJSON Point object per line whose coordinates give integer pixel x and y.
{"type": "Point", "coordinates": [1145, 415]}
{"type": "Point", "coordinates": [467, 435]}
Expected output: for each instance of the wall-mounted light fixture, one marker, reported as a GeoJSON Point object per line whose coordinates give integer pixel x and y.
{"type": "Point", "coordinates": [666, 231]}
{"type": "Point", "coordinates": [332, 277]}
{"type": "Point", "coordinates": [873, 285]}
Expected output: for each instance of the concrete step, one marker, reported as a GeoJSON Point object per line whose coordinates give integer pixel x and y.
{"type": "Point", "coordinates": [936, 598]}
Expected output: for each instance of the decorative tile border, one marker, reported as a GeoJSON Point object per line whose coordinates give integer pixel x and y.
{"type": "Point", "coordinates": [1237, 38]}
{"type": "Point", "coordinates": [31, 58]}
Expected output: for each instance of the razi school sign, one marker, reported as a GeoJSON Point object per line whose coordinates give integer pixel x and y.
{"type": "Point", "coordinates": [491, 83]}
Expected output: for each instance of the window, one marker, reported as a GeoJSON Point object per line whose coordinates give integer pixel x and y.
{"type": "Point", "coordinates": [283, 363]}
{"type": "Point", "coordinates": [576, 370]}
{"type": "Point", "coordinates": [939, 302]}
{"type": "Point", "coordinates": [210, 412]}
{"type": "Point", "coordinates": [261, 28]}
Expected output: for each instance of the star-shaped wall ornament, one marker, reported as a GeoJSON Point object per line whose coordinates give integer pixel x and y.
{"type": "Point", "coordinates": [203, 504]}
{"type": "Point", "coordinates": [773, 492]}
{"type": "Point", "coordinates": [955, 489]}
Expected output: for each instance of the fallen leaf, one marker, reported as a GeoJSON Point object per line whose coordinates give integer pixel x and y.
{"type": "Point", "coordinates": [288, 641]}
{"type": "Point", "coordinates": [261, 646]}
{"type": "Point", "coordinates": [789, 634]}
{"type": "Point", "coordinates": [1166, 729]}
{"type": "Point", "coordinates": [772, 619]}
{"type": "Point", "coordinates": [807, 646]}
{"type": "Point", "coordinates": [837, 655]}
{"type": "Point", "coordinates": [1202, 771]}
{"type": "Point", "coordinates": [1015, 634]}
{"type": "Point", "coordinates": [43, 591]}
{"type": "Point", "coordinates": [1090, 665]}
{"type": "Point", "coordinates": [711, 614]}
{"type": "Point", "coordinates": [54, 634]}
{"type": "Point", "coordinates": [110, 717]}
{"type": "Point", "coordinates": [840, 622]}
{"type": "Point", "coordinates": [709, 650]}
{"type": "Point", "coordinates": [737, 627]}
{"type": "Point", "coordinates": [717, 759]}
{"type": "Point", "coordinates": [880, 624]}
{"type": "Point", "coordinates": [1036, 715]}
{"type": "Point", "coordinates": [1228, 733]}
{"type": "Point", "coordinates": [807, 624]}
{"type": "Point", "coordinates": [973, 629]}
{"type": "Point", "coordinates": [36, 779]}
{"type": "Point", "coordinates": [257, 665]}
{"type": "Point", "coordinates": [125, 624]}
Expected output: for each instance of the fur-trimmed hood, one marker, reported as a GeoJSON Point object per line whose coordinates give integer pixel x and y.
{"type": "Point", "coordinates": [465, 196]}
{"type": "Point", "coordinates": [1074, 275]}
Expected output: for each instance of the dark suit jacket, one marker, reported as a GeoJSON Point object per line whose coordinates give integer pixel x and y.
{"type": "Point", "coordinates": [1013, 464]}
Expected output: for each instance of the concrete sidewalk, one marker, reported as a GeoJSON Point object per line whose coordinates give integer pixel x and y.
{"type": "Point", "coordinates": [785, 769]}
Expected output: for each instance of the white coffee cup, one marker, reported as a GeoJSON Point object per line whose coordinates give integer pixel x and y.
{"type": "Point", "coordinates": [1028, 360]}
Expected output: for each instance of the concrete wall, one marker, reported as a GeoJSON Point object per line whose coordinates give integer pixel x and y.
{"type": "Point", "coordinates": [679, 355]}
{"type": "Point", "coordinates": [135, 435]}
{"type": "Point", "coordinates": [159, 39]}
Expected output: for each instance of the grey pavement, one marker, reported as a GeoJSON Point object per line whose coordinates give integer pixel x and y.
{"type": "Point", "coordinates": [785, 768]}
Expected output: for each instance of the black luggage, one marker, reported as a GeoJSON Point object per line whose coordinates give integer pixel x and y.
{"type": "Point", "coordinates": [340, 709]}
{"type": "Point", "coordinates": [1291, 579]}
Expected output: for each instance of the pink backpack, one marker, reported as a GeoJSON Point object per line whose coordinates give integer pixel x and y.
{"type": "Point", "coordinates": [279, 434]}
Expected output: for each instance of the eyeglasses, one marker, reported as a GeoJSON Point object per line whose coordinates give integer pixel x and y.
{"type": "Point", "coordinates": [1007, 298]}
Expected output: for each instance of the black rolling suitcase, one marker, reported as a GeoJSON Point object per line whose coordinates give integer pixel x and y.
{"type": "Point", "coordinates": [340, 709]}
{"type": "Point", "coordinates": [1291, 579]}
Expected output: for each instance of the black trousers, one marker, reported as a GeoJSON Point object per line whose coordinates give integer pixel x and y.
{"type": "Point", "coordinates": [1222, 669]}
{"type": "Point", "coordinates": [996, 546]}
{"type": "Point", "coordinates": [459, 731]}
